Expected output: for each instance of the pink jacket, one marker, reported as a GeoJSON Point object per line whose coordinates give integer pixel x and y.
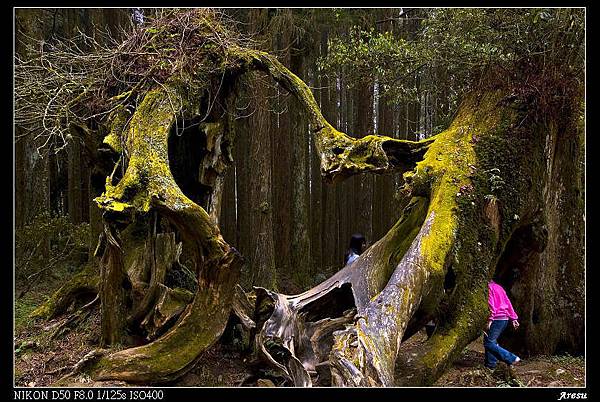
{"type": "Point", "coordinates": [500, 306]}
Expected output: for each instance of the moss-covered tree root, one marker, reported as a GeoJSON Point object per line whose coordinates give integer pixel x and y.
{"type": "Point", "coordinates": [146, 186]}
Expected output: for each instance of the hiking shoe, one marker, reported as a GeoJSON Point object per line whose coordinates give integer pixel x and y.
{"type": "Point", "coordinates": [517, 360]}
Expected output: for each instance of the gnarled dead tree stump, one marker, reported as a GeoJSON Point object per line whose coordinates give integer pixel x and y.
{"type": "Point", "coordinates": [467, 191]}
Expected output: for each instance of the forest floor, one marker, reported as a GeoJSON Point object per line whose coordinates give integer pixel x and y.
{"type": "Point", "coordinates": [40, 359]}
{"type": "Point", "coordinates": [539, 371]}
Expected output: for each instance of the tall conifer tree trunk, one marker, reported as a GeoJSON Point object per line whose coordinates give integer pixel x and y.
{"type": "Point", "coordinates": [301, 246]}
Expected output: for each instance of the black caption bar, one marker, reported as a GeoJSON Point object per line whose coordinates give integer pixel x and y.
{"type": "Point", "coordinates": [89, 394]}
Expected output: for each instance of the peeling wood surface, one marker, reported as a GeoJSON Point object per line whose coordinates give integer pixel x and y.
{"type": "Point", "coordinates": [302, 328]}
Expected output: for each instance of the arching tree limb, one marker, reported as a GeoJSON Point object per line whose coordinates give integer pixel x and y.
{"type": "Point", "coordinates": [398, 272]}
{"type": "Point", "coordinates": [341, 155]}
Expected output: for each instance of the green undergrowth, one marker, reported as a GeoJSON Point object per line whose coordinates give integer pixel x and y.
{"type": "Point", "coordinates": [49, 251]}
{"type": "Point", "coordinates": [47, 245]}
{"type": "Point", "coordinates": [567, 358]}
{"type": "Point", "coordinates": [24, 307]}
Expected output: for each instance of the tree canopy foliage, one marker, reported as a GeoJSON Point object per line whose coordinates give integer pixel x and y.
{"type": "Point", "coordinates": [457, 48]}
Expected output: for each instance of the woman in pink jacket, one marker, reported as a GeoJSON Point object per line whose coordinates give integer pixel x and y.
{"type": "Point", "coordinates": [501, 312]}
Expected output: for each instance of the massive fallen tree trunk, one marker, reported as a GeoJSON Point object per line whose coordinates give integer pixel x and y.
{"type": "Point", "coordinates": [468, 192]}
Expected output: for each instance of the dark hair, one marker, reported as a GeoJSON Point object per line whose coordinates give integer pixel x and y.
{"type": "Point", "coordinates": [356, 245]}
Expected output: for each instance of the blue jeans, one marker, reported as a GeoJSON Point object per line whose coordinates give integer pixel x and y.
{"type": "Point", "coordinates": [493, 351]}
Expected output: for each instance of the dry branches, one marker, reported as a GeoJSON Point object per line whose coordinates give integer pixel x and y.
{"type": "Point", "coordinates": [81, 80]}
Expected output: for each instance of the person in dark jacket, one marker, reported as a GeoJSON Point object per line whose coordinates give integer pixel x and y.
{"type": "Point", "coordinates": [358, 243]}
